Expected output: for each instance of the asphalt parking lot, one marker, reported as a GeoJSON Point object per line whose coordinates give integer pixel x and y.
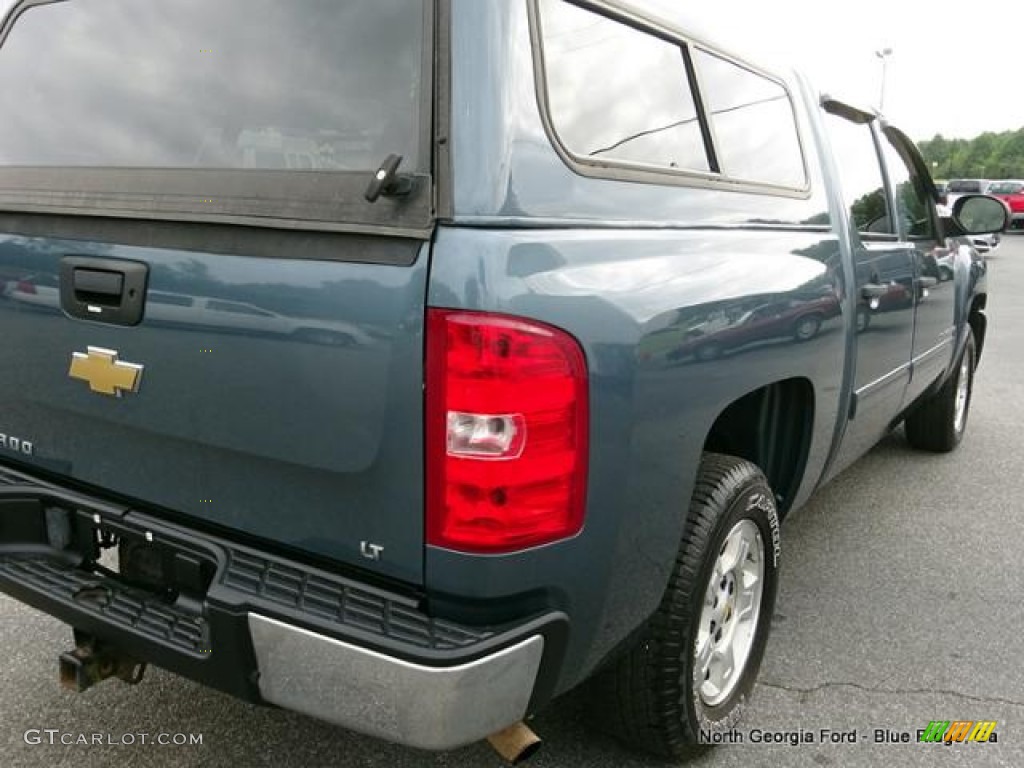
{"type": "Point", "coordinates": [900, 603]}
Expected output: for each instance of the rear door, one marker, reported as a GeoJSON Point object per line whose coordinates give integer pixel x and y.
{"type": "Point", "coordinates": [934, 265]}
{"type": "Point", "coordinates": [204, 329]}
{"type": "Point", "coordinates": [884, 287]}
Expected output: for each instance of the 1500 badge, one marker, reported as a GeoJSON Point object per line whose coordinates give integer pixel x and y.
{"type": "Point", "coordinates": [16, 444]}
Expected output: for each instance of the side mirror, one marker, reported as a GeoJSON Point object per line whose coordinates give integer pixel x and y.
{"type": "Point", "coordinates": [979, 215]}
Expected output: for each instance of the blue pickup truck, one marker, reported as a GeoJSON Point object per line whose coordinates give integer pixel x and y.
{"type": "Point", "coordinates": [410, 363]}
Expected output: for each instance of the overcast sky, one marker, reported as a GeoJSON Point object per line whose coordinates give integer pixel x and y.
{"type": "Point", "coordinates": [957, 68]}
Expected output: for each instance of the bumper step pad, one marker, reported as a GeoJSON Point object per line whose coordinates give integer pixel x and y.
{"type": "Point", "coordinates": [136, 610]}
{"type": "Point", "coordinates": [345, 604]}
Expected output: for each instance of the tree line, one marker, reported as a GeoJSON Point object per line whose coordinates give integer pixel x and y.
{"type": "Point", "coordinates": [988, 156]}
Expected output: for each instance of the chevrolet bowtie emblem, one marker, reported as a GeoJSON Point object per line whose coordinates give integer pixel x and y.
{"type": "Point", "coordinates": [104, 372]}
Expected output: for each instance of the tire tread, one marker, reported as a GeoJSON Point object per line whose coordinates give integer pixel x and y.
{"type": "Point", "coordinates": [638, 696]}
{"type": "Point", "coordinates": [929, 427]}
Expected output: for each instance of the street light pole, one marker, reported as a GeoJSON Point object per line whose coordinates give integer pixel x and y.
{"type": "Point", "coordinates": [883, 54]}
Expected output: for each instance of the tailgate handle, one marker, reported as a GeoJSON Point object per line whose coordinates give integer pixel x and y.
{"type": "Point", "coordinates": [103, 290]}
{"type": "Point", "coordinates": [99, 282]}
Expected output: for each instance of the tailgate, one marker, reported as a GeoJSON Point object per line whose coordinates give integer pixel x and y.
{"type": "Point", "coordinates": [279, 397]}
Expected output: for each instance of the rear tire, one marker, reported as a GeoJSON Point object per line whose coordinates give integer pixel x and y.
{"type": "Point", "coordinates": [673, 686]}
{"type": "Point", "coordinates": [807, 327]}
{"type": "Point", "coordinates": [938, 423]}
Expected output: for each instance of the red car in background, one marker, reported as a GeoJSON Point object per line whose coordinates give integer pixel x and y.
{"type": "Point", "coordinates": [1011, 193]}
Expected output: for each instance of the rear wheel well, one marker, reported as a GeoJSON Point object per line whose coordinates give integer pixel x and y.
{"type": "Point", "coordinates": [770, 427]}
{"type": "Point", "coordinates": [979, 323]}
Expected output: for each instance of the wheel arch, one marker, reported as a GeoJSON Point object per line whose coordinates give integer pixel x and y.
{"type": "Point", "coordinates": [772, 427]}
{"type": "Point", "coordinates": [979, 324]}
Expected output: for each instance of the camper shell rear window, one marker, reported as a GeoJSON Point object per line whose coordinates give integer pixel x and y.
{"type": "Point", "coordinates": [253, 111]}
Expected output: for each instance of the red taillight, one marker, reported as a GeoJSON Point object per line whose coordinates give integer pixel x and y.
{"type": "Point", "coordinates": [506, 409]}
{"type": "Point", "coordinates": [25, 287]}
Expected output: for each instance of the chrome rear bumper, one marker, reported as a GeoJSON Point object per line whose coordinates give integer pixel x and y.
{"type": "Point", "coordinates": [433, 708]}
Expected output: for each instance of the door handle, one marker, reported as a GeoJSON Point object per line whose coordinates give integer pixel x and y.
{"type": "Point", "coordinates": [103, 290]}
{"type": "Point", "coordinates": [872, 293]}
{"type": "Point", "coordinates": [923, 284]}
{"type": "Point", "coordinates": [101, 284]}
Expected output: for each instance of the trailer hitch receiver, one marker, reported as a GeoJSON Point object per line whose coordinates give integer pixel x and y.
{"type": "Point", "coordinates": [92, 661]}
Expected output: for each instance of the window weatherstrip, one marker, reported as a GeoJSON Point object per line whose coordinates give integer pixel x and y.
{"type": "Point", "coordinates": [621, 170]}
{"type": "Point", "coordinates": [330, 201]}
{"type": "Point", "coordinates": [703, 112]}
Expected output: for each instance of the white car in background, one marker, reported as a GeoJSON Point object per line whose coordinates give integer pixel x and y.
{"type": "Point", "coordinates": [241, 317]}
{"type": "Point", "coordinates": [43, 290]}
{"type": "Point", "coordinates": [40, 290]}
{"type": "Point", "coordinates": [957, 187]}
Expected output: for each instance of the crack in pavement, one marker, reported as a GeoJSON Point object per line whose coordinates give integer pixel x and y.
{"type": "Point", "coordinates": [869, 689]}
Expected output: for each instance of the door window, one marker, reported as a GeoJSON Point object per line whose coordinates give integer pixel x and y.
{"type": "Point", "coordinates": [913, 204]}
{"type": "Point", "coordinates": [860, 176]}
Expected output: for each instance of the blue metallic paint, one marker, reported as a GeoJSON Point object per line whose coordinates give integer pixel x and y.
{"type": "Point", "coordinates": [298, 425]}
{"type": "Point", "coordinates": [622, 294]}
{"type": "Point", "coordinates": [635, 271]}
